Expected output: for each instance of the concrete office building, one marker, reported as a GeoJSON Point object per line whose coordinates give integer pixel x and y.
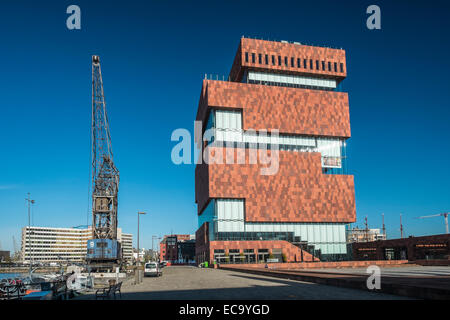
{"type": "Point", "coordinates": [126, 240]}
{"type": "Point", "coordinates": [288, 97]}
{"type": "Point", "coordinates": [364, 235]}
{"type": "Point", "coordinates": [46, 244]}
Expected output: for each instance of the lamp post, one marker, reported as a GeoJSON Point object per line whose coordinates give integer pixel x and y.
{"type": "Point", "coordinates": [138, 260]}
{"type": "Point", "coordinates": [158, 251]}
{"type": "Point", "coordinates": [153, 249]}
{"type": "Point", "coordinates": [30, 202]}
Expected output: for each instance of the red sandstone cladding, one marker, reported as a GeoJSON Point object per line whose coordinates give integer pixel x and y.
{"type": "Point", "coordinates": [289, 110]}
{"type": "Point", "coordinates": [201, 238]}
{"type": "Point", "coordinates": [318, 265]}
{"type": "Point", "coordinates": [201, 183]}
{"type": "Point", "coordinates": [289, 50]}
{"type": "Point", "coordinates": [298, 192]}
{"type": "Point", "coordinates": [292, 252]}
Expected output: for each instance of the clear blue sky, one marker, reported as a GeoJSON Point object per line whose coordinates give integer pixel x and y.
{"type": "Point", "coordinates": [154, 55]}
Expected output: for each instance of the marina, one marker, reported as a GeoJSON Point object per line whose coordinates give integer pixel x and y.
{"type": "Point", "coordinates": [71, 281]}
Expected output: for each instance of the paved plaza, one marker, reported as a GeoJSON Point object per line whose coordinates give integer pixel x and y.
{"type": "Point", "coordinates": [187, 283]}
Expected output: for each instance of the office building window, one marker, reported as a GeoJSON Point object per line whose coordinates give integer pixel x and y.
{"type": "Point", "coordinates": [267, 59]}
{"type": "Point", "coordinates": [342, 67]}
{"type": "Point", "coordinates": [253, 58]}
{"type": "Point", "coordinates": [323, 65]}
{"type": "Point", "coordinates": [329, 66]}
{"type": "Point", "coordinates": [279, 60]}
{"type": "Point", "coordinates": [273, 60]}
{"type": "Point", "coordinates": [335, 67]}
{"type": "Point", "coordinates": [317, 65]}
{"type": "Point", "coordinates": [259, 58]}
{"type": "Point", "coordinates": [299, 63]}
{"type": "Point", "coordinates": [292, 62]}
{"type": "Point", "coordinates": [311, 64]}
{"type": "Point", "coordinates": [305, 63]}
{"type": "Point", "coordinates": [286, 61]}
{"type": "Point", "coordinates": [246, 57]}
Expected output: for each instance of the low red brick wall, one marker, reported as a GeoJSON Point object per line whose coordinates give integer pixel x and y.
{"type": "Point", "coordinates": [317, 265]}
{"type": "Point", "coordinates": [441, 262]}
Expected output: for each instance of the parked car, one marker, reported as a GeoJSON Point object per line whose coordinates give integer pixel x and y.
{"type": "Point", "coordinates": [152, 269]}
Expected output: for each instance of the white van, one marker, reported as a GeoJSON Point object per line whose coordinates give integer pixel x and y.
{"type": "Point", "coordinates": [152, 269]}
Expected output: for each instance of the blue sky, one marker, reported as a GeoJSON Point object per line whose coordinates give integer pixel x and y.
{"type": "Point", "coordinates": [154, 55]}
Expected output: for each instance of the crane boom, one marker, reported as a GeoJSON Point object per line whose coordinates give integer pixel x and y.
{"type": "Point", "coordinates": [105, 176]}
{"type": "Point", "coordinates": [430, 216]}
{"type": "Point", "coordinates": [445, 215]}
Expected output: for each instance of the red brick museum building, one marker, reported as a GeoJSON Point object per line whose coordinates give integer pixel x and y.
{"type": "Point", "coordinates": [282, 100]}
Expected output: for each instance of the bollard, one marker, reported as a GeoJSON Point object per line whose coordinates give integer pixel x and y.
{"type": "Point", "coordinates": [138, 275]}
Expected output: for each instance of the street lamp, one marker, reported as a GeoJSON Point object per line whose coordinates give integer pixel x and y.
{"type": "Point", "coordinates": [138, 260]}
{"type": "Point", "coordinates": [153, 249]}
{"type": "Point", "coordinates": [30, 202]}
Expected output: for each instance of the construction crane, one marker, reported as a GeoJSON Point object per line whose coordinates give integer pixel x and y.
{"type": "Point", "coordinates": [103, 249]}
{"type": "Point", "coordinates": [401, 227]}
{"type": "Point", "coordinates": [445, 215]}
{"type": "Point", "coordinates": [16, 252]}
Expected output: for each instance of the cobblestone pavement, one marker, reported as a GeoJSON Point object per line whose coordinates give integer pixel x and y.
{"type": "Point", "coordinates": [187, 283]}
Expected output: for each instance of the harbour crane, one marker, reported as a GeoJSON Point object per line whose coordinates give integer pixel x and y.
{"type": "Point", "coordinates": [103, 249]}
{"type": "Point", "coordinates": [445, 215]}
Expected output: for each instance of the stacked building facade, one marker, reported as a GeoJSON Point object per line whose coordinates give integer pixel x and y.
{"type": "Point", "coordinates": [282, 105]}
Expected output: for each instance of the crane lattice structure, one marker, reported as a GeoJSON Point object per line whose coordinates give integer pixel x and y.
{"type": "Point", "coordinates": [105, 176]}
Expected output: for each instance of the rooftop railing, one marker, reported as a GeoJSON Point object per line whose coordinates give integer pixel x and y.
{"type": "Point", "coordinates": [292, 42]}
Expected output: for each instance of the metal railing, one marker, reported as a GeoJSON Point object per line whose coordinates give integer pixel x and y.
{"type": "Point", "coordinates": [217, 77]}
{"type": "Point", "coordinates": [292, 42]}
{"type": "Point", "coordinates": [18, 289]}
{"type": "Point", "coordinates": [12, 291]}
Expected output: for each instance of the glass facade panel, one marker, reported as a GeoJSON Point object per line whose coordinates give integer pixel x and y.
{"type": "Point", "coordinates": [257, 77]}
{"type": "Point", "coordinates": [226, 221]}
{"type": "Point", "coordinates": [227, 126]}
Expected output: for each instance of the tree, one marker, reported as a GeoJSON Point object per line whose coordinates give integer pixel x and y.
{"type": "Point", "coordinates": [147, 256]}
{"type": "Point", "coordinates": [17, 256]}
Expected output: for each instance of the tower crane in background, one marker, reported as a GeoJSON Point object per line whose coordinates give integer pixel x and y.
{"type": "Point", "coordinates": [14, 244]}
{"type": "Point", "coordinates": [16, 254]}
{"type": "Point", "coordinates": [103, 251]}
{"type": "Point", "coordinates": [445, 215]}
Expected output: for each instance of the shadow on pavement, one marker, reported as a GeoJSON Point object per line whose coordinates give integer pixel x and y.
{"type": "Point", "coordinates": [279, 289]}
